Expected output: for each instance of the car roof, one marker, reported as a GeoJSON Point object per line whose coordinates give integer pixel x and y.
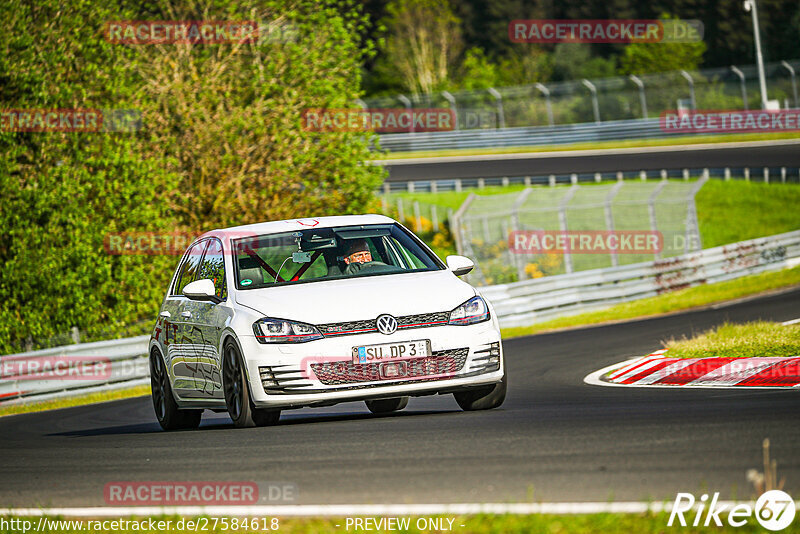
{"type": "Point", "coordinates": [293, 225]}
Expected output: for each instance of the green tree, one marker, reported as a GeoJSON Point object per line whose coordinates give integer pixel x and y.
{"type": "Point", "coordinates": [644, 58]}
{"type": "Point", "coordinates": [573, 61]}
{"type": "Point", "coordinates": [222, 142]}
{"type": "Point", "coordinates": [477, 71]}
{"type": "Point", "coordinates": [423, 43]}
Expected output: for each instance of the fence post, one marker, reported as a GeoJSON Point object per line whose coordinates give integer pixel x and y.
{"type": "Point", "coordinates": [692, 224]}
{"type": "Point", "coordinates": [515, 226]}
{"type": "Point", "coordinates": [783, 175]}
{"type": "Point", "coordinates": [685, 174]}
{"type": "Point", "coordinates": [434, 186]}
{"type": "Point", "coordinates": [620, 176]}
{"type": "Point", "coordinates": [573, 178]}
{"type": "Point", "coordinates": [727, 174]}
{"type": "Point", "coordinates": [747, 173]}
{"type": "Point", "coordinates": [663, 174]}
{"type": "Point", "coordinates": [434, 218]}
{"type": "Point", "coordinates": [504, 181]}
{"type": "Point", "coordinates": [688, 78]}
{"type": "Point", "coordinates": [562, 221]}
{"type": "Point", "coordinates": [452, 100]}
{"type": "Point", "coordinates": [642, 100]}
{"type": "Point", "coordinates": [740, 74]}
{"type": "Point", "coordinates": [75, 334]}
{"type": "Point", "coordinates": [598, 177]}
{"type": "Point", "coordinates": [459, 185]}
{"type": "Point", "coordinates": [651, 210]}
{"type": "Point", "coordinates": [456, 224]}
{"type": "Point", "coordinates": [498, 98]}
{"type": "Point", "coordinates": [387, 188]}
{"type": "Point", "coordinates": [546, 92]}
{"type": "Point", "coordinates": [407, 103]}
{"type": "Point", "coordinates": [595, 105]}
{"type": "Point", "coordinates": [481, 183]}
{"type": "Point", "coordinates": [766, 175]}
{"type": "Point", "coordinates": [788, 67]}
{"type": "Point", "coordinates": [401, 212]}
{"type": "Point", "coordinates": [610, 217]}
{"type": "Point", "coordinates": [527, 181]}
{"type": "Point", "coordinates": [551, 180]}
{"type": "Point", "coordinates": [417, 217]}
{"type": "Point", "coordinates": [643, 175]}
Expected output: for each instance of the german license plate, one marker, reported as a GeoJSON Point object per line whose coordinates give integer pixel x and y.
{"type": "Point", "coordinates": [390, 352]}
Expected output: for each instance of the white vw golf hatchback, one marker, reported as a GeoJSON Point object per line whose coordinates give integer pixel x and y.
{"type": "Point", "coordinates": [315, 312]}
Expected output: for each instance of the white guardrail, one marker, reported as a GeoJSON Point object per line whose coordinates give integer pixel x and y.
{"type": "Point", "coordinates": [122, 363]}
{"type": "Point", "coordinates": [73, 370]}
{"type": "Point", "coordinates": [531, 301]}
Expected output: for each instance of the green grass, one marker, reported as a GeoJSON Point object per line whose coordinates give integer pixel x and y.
{"type": "Point", "coordinates": [678, 300]}
{"type": "Point", "coordinates": [91, 398]}
{"type": "Point", "coordinates": [478, 524]}
{"type": "Point", "coordinates": [749, 340]}
{"type": "Point", "coordinates": [736, 211]}
{"type": "Point", "coordinates": [596, 145]}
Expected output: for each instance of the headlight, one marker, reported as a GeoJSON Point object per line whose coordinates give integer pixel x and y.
{"type": "Point", "coordinates": [279, 331]}
{"type": "Point", "coordinates": [473, 311]}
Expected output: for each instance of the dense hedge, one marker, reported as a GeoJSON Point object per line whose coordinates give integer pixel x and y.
{"type": "Point", "coordinates": [220, 143]}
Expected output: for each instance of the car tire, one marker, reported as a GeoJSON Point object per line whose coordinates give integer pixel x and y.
{"type": "Point", "coordinates": [387, 405]}
{"type": "Point", "coordinates": [237, 393]}
{"type": "Point", "coordinates": [169, 416]}
{"type": "Point", "coordinates": [483, 398]}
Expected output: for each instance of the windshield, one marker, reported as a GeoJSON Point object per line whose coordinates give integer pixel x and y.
{"type": "Point", "coordinates": [329, 253]}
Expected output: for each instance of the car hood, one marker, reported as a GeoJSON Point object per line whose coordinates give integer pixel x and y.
{"type": "Point", "coordinates": [356, 299]}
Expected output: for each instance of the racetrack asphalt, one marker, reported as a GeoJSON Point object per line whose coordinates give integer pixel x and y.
{"type": "Point", "coordinates": [554, 439]}
{"type": "Point", "coordinates": [753, 154]}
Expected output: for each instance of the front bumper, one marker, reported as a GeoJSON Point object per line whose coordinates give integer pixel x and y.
{"type": "Point", "coordinates": [321, 372]}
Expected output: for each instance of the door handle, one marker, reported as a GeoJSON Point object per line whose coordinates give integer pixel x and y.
{"type": "Point", "coordinates": [165, 314]}
{"type": "Point", "coordinates": [186, 315]}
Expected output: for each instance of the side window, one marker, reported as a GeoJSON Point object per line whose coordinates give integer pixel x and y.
{"type": "Point", "coordinates": [213, 267]}
{"type": "Point", "coordinates": [190, 265]}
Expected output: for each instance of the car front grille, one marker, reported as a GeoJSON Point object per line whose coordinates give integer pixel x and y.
{"type": "Point", "coordinates": [441, 364]}
{"type": "Point", "coordinates": [420, 320]}
{"type": "Point", "coordinates": [345, 375]}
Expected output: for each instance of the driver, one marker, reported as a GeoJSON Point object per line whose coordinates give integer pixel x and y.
{"type": "Point", "coordinates": [357, 255]}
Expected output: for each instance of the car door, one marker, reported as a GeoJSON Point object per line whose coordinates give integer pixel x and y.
{"type": "Point", "coordinates": [208, 319]}
{"type": "Point", "coordinates": [179, 335]}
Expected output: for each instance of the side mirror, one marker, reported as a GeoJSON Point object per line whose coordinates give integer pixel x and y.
{"type": "Point", "coordinates": [459, 265]}
{"type": "Point", "coordinates": [201, 290]}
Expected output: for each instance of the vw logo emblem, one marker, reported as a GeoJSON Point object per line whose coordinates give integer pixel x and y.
{"type": "Point", "coordinates": [386, 324]}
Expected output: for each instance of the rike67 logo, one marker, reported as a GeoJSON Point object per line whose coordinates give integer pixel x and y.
{"type": "Point", "coordinates": [774, 510]}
